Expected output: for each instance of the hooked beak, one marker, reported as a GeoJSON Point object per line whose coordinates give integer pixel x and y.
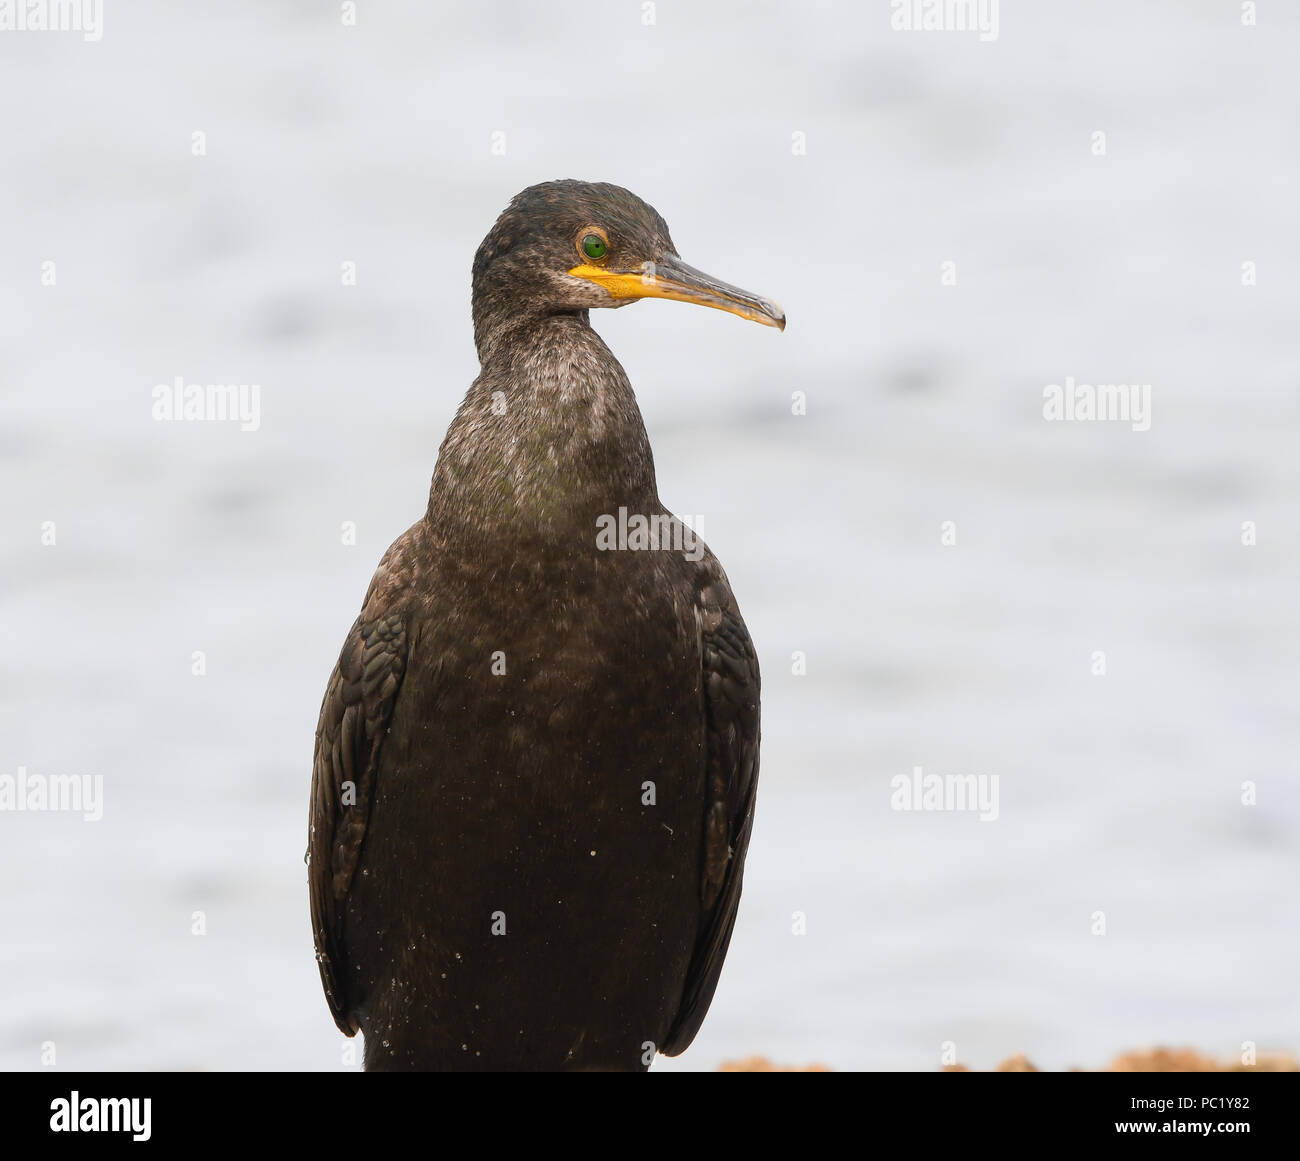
{"type": "Point", "coordinates": [670, 277]}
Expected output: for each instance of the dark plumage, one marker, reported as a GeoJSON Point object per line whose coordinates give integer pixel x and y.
{"type": "Point", "coordinates": [536, 761]}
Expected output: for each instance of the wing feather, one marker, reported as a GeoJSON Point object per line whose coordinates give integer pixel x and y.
{"type": "Point", "coordinates": [731, 706]}
{"type": "Point", "coordinates": [354, 718]}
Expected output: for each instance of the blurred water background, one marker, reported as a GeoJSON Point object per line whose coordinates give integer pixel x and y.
{"type": "Point", "coordinates": [1118, 793]}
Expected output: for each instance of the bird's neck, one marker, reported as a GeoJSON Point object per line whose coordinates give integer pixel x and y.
{"type": "Point", "coordinates": [548, 439]}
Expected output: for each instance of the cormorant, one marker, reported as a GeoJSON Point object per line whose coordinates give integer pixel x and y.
{"type": "Point", "coordinates": [535, 766]}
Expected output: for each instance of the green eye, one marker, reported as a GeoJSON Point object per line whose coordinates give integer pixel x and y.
{"type": "Point", "coordinates": [593, 246]}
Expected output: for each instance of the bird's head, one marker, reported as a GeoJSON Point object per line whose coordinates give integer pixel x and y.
{"type": "Point", "coordinates": [575, 245]}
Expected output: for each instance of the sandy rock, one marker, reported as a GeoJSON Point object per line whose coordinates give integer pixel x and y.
{"type": "Point", "coordinates": [762, 1064]}
{"type": "Point", "coordinates": [1162, 1060]}
{"type": "Point", "coordinates": [1018, 1063]}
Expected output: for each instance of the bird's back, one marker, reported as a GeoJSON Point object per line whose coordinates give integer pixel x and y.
{"type": "Point", "coordinates": [528, 891]}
